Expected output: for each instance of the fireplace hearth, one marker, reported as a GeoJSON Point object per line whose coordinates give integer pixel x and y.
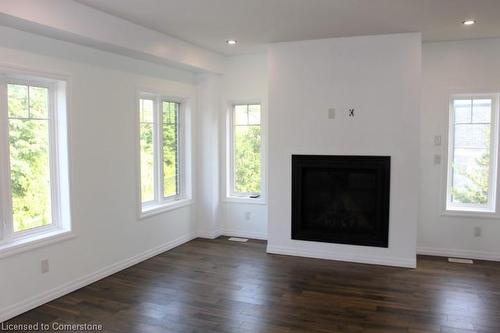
{"type": "Point", "coordinates": [341, 199]}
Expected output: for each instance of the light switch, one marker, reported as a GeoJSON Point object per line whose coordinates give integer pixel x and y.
{"type": "Point", "coordinates": [437, 159]}
{"type": "Point", "coordinates": [437, 140]}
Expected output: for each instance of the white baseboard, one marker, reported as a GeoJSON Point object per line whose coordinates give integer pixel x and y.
{"type": "Point", "coordinates": [209, 234]}
{"type": "Point", "coordinates": [478, 255]}
{"type": "Point", "coordinates": [398, 262]}
{"type": "Point", "coordinates": [31, 303]}
{"type": "Point", "coordinates": [244, 234]}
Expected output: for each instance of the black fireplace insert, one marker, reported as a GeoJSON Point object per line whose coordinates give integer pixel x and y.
{"type": "Point", "coordinates": [341, 199]}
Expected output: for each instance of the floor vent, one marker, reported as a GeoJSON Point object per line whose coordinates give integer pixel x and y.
{"type": "Point", "coordinates": [461, 261]}
{"type": "Point", "coordinates": [237, 239]}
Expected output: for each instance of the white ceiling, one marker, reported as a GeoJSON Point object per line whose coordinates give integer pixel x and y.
{"type": "Point", "coordinates": [255, 23]}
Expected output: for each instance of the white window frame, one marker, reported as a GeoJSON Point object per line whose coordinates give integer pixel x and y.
{"type": "Point", "coordinates": [60, 228]}
{"type": "Point", "coordinates": [490, 210]}
{"type": "Point", "coordinates": [231, 195]}
{"type": "Point", "coordinates": [160, 203]}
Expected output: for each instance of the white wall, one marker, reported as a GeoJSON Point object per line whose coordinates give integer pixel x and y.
{"type": "Point", "coordinates": [208, 147]}
{"type": "Point", "coordinates": [245, 80]}
{"type": "Point", "coordinates": [379, 76]}
{"type": "Point", "coordinates": [452, 67]}
{"type": "Point", "coordinates": [103, 172]}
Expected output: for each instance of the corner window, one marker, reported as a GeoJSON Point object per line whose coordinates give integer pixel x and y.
{"type": "Point", "coordinates": [245, 179]}
{"type": "Point", "coordinates": [472, 154]}
{"type": "Point", "coordinates": [161, 151]}
{"type": "Point", "coordinates": [33, 158]}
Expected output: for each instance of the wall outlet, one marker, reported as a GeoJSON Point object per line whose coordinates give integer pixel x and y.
{"type": "Point", "coordinates": [247, 216]}
{"type": "Point", "coordinates": [331, 113]}
{"type": "Point", "coordinates": [478, 232]}
{"type": "Point", "coordinates": [437, 140]}
{"type": "Point", "coordinates": [437, 159]}
{"type": "Point", "coordinates": [45, 266]}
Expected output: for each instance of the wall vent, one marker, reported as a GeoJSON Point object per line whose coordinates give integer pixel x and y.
{"type": "Point", "coordinates": [237, 239]}
{"type": "Point", "coordinates": [461, 260]}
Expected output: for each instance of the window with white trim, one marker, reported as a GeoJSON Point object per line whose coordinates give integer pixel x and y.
{"type": "Point", "coordinates": [472, 153]}
{"type": "Point", "coordinates": [34, 183]}
{"type": "Point", "coordinates": [245, 174]}
{"type": "Point", "coordinates": [161, 151]}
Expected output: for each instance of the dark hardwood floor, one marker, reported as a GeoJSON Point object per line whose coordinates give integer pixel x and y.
{"type": "Point", "coordinates": [223, 286]}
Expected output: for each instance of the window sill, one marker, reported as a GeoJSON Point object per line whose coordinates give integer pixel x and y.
{"type": "Point", "coordinates": [33, 242]}
{"type": "Point", "coordinates": [165, 207]}
{"type": "Point", "coordinates": [245, 200]}
{"type": "Point", "coordinates": [471, 214]}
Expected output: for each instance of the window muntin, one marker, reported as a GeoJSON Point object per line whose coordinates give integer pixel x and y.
{"type": "Point", "coordinates": [160, 151]}
{"type": "Point", "coordinates": [472, 154]}
{"type": "Point", "coordinates": [246, 139]}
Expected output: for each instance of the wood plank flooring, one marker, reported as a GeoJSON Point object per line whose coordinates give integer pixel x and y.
{"type": "Point", "coordinates": [222, 286]}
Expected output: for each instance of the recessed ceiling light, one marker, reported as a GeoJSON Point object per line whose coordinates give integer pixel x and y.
{"type": "Point", "coordinates": [468, 22]}
{"type": "Point", "coordinates": [231, 42]}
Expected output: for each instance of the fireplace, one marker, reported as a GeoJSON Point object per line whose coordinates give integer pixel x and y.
{"type": "Point", "coordinates": [341, 199]}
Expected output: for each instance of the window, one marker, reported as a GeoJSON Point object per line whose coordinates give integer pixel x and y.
{"type": "Point", "coordinates": [245, 151]}
{"type": "Point", "coordinates": [33, 160]}
{"type": "Point", "coordinates": [472, 156]}
{"type": "Point", "coordinates": [161, 151]}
